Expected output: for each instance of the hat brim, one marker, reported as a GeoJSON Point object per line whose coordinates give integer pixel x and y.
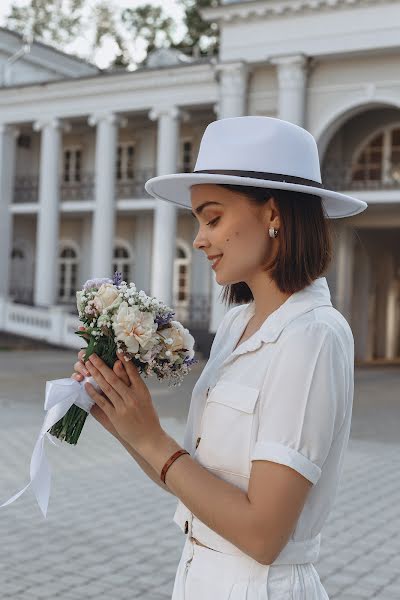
{"type": "Point", "coordinates": [175, 188]}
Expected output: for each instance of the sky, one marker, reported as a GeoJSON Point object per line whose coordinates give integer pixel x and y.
{"type": "Point", "coordinates": [106, 53]}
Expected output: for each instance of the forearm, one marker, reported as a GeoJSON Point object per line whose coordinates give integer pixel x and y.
{"type": "Point", "coordinates": [222, 506]}
{"type": "Point", "coordinates": [144, 465]}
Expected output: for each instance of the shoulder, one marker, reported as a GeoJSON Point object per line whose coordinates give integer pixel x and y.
{"type": "Point", "coordinates": [320, 338]}
{"type": "Point", "coordinates": [321, 323]}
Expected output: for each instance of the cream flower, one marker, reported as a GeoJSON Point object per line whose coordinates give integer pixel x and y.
{"type": "Point", "coordinates": [134, 327]}
{"type": "Point", "coordinates": [79, 300]}
{"type": "Point", "coordinates": [107, 297]}
{"type": "Point", "coordinates": [177, 337]}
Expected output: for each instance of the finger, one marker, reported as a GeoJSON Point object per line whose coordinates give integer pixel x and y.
{"type": "Point", "coordinates": [81, 354]}
{"type": "Point", "coordinates": [131, 370]}
{"type": "Point", "coordinates": [111, 384]}
{"type": "Point", "coordinates": [120, 371]}
{"type": "Point", "coordinates": [81, 368]}
{"type": "Point", "coordinates": [100, 400]}
{"type": "Point", "coordinates": [77, 376]}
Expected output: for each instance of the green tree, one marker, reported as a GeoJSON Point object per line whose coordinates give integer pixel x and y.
{"type": "Point", "coordinates": [149, 23]}
{"type": "Point", "coordinates": [56, 22]}
{"type": "Point", "coordinates": [201, 37]}
{"type": "Point", "coordinates": [107, 23]}
{"type": "Point", "coordinates": [60, 22]}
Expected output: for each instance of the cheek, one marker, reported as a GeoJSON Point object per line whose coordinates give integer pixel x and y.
{"type": "Point", "coordinates": [240, 233]}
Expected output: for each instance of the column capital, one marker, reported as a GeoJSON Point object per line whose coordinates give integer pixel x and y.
{"type": "Point", "coordinates": [53, 122]}
{"type": "Point", "coordinates": [174, 112]}
{"type": "Point", "coordinates": [292, 69]}
{"type": "Point", "coordinates": [239, 67]}
{"type": "Point", "coordinates": [233, 76]}
{"type": "Point", "coordinates": [8, 128]}
{"type": "Point", "coordinates": [289, 59]}
{"type": "Point", "coordinates": [109, 117]}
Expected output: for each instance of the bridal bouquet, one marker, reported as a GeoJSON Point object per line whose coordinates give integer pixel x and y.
{"type": "Point", "coordinates": [116, 317]}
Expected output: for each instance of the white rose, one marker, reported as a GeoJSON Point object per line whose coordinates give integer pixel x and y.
{"type": "Point", "coordinates": [134, 327]}
{"type": "Point", "coordinates": [107, 297]}
{"type": "Point", "coordinates": [181, 338]}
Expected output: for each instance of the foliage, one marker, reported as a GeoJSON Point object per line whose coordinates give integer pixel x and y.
{"type": "Point", "coordinates": [55, 22]}
{"type": "Point", "coordinates": [61, 22]}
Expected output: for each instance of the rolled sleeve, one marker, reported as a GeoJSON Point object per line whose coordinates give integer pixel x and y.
{"type": "Point", "coordinates": [303, 400]}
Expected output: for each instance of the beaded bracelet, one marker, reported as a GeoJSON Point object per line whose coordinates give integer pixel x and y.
{"type": "Point", "coordinates": [170, 461]}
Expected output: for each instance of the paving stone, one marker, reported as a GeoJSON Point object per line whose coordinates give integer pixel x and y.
{"type": "Point", "coordinates": [109, 528]}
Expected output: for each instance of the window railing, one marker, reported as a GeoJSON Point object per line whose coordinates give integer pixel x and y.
{"type": "Point", "coordinates": [26, 187]}
{"type": "Point", "coordinates": [78, 190]}
{"type": "Point", "coordinates": [134, 188]}
{"type": "Point", "coordinates": [340, 177]}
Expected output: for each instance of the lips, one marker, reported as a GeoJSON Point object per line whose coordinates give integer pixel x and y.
{"type": "Point", "coordinates": [216, 261]}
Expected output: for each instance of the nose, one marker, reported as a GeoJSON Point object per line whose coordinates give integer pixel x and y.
{"type": "Point", "coordinates": [198, 242]}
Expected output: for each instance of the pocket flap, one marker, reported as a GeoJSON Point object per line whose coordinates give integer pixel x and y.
{"type": "Point", "coordinates": [235, 395]}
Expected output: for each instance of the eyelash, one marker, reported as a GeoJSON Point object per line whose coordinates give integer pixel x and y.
{"type": "Point", "coordinates": [211, 223]}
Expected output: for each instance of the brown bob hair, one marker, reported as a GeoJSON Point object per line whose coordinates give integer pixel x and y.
{"type": "Point", "coordinates": [305, 237]}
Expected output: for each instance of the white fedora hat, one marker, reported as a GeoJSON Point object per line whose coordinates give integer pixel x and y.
{"type": "Point", "coordinates": [256, 151]}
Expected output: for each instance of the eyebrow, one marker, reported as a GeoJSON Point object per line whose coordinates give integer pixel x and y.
{"type": "Point", "coordinates": [200, 208]}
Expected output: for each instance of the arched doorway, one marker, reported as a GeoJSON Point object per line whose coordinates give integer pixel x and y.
{"type": "Point", "coordinates": [363, 159]}
{"type": "Point", "coordinates": [181, 281]}
{"type": "Point", "coordinates": [21, 272]}
{"type": "Point", "coordinates": [123, 259]}
{"type": "Point", "coordinates": [69, 257]}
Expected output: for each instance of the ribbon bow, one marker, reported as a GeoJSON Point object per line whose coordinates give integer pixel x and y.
{"type": "Point", "coordinates": [61, 394]}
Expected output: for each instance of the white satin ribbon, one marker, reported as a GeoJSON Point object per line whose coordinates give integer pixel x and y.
{"type": "Point", "coordinates": [61, 394]}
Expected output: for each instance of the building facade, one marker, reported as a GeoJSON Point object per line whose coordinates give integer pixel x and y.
{"type": "Point", "coordinates": [77, 146]}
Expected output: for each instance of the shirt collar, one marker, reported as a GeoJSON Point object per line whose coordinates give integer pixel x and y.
{"type": "Point", "coordinates": [315, 294]}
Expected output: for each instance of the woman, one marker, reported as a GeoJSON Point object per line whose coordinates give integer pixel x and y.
{"type": "Point", "coordinates": [270, 415]}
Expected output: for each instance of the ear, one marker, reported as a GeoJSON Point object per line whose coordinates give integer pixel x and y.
{"type": "Point", "coordinates": [271, 214]}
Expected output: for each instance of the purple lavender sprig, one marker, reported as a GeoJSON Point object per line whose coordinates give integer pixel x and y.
{"type": "Point", "coordinates": [164, 319]}
{"type": "Point", "coordinates": [117, 279]}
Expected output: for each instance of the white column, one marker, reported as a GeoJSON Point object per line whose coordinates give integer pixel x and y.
{"type": "Point", "coordinates": [233, 78]}
{"type": "Point", "coordinates": [292, 85]}
{"type": "Point", "coordinates": [361, 299]}
{"type": "Point", "coordinates": [103, 227]}
{"type": "Point", "coordinates": [8, 135]}
{"type": "Point", "coordinates": [232, 89]}
{"type": "Point", "coordinates": [47, 229]}
{"type": "Point", "coordinates": [143, 243]}
{"type": "Point", "coordinates": [344, 251]}
{"type": "Point", "coordinates": [165, 214]}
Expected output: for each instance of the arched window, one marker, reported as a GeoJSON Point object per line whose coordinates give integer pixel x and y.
{"type": "Point", "coordinates": [21, 272]}
{"type": "Point", "coordinates": [68, 272]}
{"type": "Point", "coordinates": [378, 160]}
{"type": "Point", "coordinates": [181, 286]}
{"type": "Point", "coordinates": [123, 261]}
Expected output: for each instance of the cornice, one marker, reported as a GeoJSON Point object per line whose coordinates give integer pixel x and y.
{"type": "Point", "coordinates": [256, 9]}
{"type": "Point", "coordinates": [105, 84]}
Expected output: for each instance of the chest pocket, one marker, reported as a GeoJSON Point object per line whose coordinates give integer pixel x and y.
{"type": "Point", "coordinates": [226, 428]}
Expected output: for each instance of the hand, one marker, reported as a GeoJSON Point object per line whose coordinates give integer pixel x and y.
{"type": "Point", "coordinates": [81, 372]}
{"type": "Point", "coordinates": [129, 408]}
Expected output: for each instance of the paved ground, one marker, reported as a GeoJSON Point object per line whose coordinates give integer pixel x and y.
{"type": "Point", "coordinates": [109, 532]}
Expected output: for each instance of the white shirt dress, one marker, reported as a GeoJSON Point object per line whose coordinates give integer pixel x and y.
{"type": "Point", "coordinates": [284, 395]}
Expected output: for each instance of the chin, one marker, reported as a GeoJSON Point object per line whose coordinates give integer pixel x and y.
{"type": "Point", "coordinates": [223, 280]}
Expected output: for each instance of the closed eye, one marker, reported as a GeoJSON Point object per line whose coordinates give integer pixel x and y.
{"type": "Point", "coordinates": [213, 222]}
